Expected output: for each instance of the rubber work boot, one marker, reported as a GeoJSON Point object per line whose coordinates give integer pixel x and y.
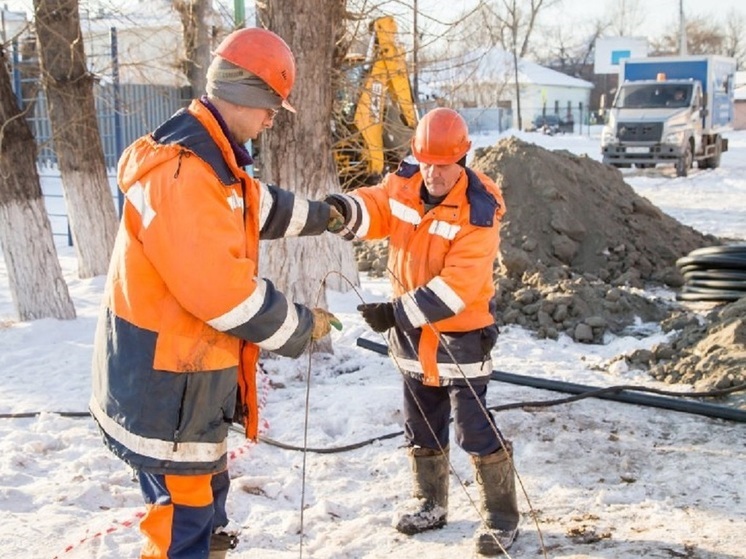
{"type": "Point", "coordinates": [496, 481]}
{"type": "Point", "coordinates": [220, 543]}
{"type": "Point", "coordinates": [428, 508]}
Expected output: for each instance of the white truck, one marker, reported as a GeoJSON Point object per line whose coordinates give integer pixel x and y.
{"type": "Point", "coordinates": [670, 110]}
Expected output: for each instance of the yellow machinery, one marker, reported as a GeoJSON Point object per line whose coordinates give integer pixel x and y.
{"type": "Point", "coordinates": [375, 114]}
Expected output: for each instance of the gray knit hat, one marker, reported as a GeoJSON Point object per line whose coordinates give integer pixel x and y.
{"type": "Point", "coordinates": [230, 83]}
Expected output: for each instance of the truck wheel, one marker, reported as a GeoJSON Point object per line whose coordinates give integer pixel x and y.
{"type": "Point", "coordinates": [713, 162]}
{"type": "Point", "coordinates": [685, 162]}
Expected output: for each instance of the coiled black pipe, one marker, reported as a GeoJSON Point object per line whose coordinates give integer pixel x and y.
{"type": "Point", "coordinates": [715, 274]}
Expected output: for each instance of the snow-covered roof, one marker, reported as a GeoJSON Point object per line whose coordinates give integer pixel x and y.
{"type": "Point", "coordinates": [496, 65]}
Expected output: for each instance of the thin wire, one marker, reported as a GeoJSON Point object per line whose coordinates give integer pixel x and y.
{"type": "Point", "coordinates": [305, 451]}
{"type": "Point", "coordinates": [527, 405]}
{"type": "Point", "coordinates": [312, 346]}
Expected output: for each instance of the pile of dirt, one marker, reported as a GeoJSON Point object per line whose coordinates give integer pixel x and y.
{"type": "Point", "coordinates": [708, 352]}
{"type": "Point", "coordinates": [568, 210]}
{"type": "Point", "coordinates": [578, 247]}
{"type": "Point", "coordinates": [583, 307]}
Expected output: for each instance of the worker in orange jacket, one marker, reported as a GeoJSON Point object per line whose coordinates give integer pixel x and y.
{"type": "Point", "coordinates": [185, 313]}
{"type": "Point", "coordinates": [442, 221]}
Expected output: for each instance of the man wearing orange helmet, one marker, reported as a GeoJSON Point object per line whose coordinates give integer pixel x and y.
{"type": "Point", "coordinates": [185, 314]}
{"type": "Point", "coordinates": [442, 220]}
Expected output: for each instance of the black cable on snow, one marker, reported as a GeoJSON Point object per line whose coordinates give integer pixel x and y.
{"type": "Point", "coordinates": [714, 274]}
{"type": "Point", "coordinates": [624, 393]}
{"type": "Point", "coordinates": [620, 393]}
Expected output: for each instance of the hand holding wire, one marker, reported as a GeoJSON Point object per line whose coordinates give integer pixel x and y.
{"type": "Point", "coordinates": [323, 321]}
{"type": "Point", "coordinates": [337, 215]}
{"type": "Point", "coordinates": [379, 316]}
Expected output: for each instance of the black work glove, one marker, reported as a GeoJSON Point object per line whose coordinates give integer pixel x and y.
{"type": "Point", "coordinates": [379, 316]}
{"type": "Point", "coordinates": [337, 215]}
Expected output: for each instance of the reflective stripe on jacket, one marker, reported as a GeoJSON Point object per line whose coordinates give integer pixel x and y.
{"type": "Point", "coordinates": [184, 313]}
{"type": "Point", "coordinates": [440, 263]}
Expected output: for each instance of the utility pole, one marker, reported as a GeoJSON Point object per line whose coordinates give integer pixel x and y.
{"type": "Point", "coordinates": [682, 30]}
{"type": "Point", "coordinates": [239, 13]}
{"type": "Point", "coordinates": [415, 48]}
{"type": "Point", "coordinates": [239, 19]}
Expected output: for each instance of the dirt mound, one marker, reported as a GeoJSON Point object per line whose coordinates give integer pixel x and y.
{"type": "Point", "coordinates": [709, 353]}
{"type": "Point", "coordinates": [577, 241]}
{"type": "Point", "coordinates": [568, 210]}
{"type": "Point", "coordinates": [580, 306]}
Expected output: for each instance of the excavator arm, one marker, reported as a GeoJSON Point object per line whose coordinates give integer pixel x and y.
{"type": "Point", "coordinates": [385, 87]}
{"type": "Point", "coordinates": [388, 76]}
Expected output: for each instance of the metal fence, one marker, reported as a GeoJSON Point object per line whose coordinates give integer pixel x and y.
{"type": "Point", "coordinates": [124, 113]}
{"type": "Point", "coordinates": [487, 119]}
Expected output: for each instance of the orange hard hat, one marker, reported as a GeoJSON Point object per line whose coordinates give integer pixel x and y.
{"type": "Point", "coordinates": [264, 54]}
{"type": "Point", "coordinates": [441, 138]}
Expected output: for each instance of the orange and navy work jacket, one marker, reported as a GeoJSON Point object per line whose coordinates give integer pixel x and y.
{"type": "Point", "coordinates": [440, 264]}
{"type": "Point", "coordinates": [185, 314]}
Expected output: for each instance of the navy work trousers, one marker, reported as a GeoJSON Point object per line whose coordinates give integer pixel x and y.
{"type": "Point", "coordinates": [474, 430]}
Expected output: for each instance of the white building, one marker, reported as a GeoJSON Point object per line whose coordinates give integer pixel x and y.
{"type": "Point", "coordinates": [150, 53]}
{"type": "Point", "coordinates": [150, 42]}
{"type": "Point", "coordinates": [13, 25]}
{"type": "Point", "coordinates": [485, 79]}
{"type": "Point", "coordinates": [149, 45]}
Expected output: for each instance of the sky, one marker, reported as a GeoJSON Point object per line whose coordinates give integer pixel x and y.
{"type": "Point", "coordinates": [656, 16]}
{"type": "Point", "coordinates": [605, 479]}
{"type": "Point", "coordinates": [659, 15]}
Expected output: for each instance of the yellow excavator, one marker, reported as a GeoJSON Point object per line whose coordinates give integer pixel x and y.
{"type": "Point", "coordinates": [374, 111]}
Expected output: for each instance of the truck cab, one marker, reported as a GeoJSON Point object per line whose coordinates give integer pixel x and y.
{"type": "Point", "coordinates": [665, 119]}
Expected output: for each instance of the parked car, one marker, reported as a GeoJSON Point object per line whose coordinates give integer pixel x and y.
{"type": "Point", "coordinates": [551, 124]}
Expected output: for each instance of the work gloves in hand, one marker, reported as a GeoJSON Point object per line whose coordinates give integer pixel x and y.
{"type": "Point", "coordinates": [323, 321]}
{"type": "Point", "coordinates": [337, 215]}
{"type": "Point", "coordinates": [336, 220]}
{"type": "Point", "coordinates": [379, 316]}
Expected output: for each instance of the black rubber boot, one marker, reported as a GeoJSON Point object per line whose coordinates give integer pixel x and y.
{"type": "Point", "coordinates": [220, 543]}
{"type": "Point", "coordinates": [496, 481]}
{"type": "Point", "coordinates": [428, 508]}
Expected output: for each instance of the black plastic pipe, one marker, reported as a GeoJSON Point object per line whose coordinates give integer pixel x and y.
{"type": "Point", "coordinates": [676, 404]}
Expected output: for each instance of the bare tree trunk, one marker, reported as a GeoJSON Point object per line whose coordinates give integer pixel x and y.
{"type": "Point", "coordinates": [36, 283]}
{"type": "Point", "coordinates": [77, 142]}
{"type": "Point", "coordinates": [517, 88]}
{"type": "Point", "coordinates": [297, 152]}
{"type": "Point", "coordinates": [195, 20]}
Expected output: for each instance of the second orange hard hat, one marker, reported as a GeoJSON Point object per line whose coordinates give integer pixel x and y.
{"type": "Point", "coordinates": [441, 138]}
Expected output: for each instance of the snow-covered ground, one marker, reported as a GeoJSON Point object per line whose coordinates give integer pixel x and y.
{"type": "Point", "coordinates": [598, 478]}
